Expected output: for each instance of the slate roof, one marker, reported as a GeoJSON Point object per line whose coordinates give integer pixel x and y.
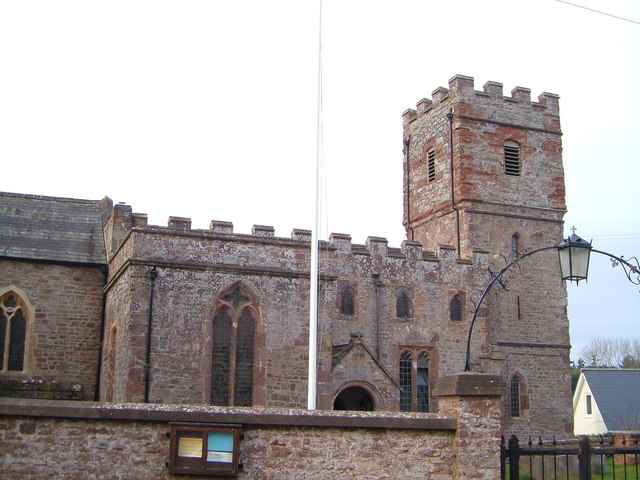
{"type": "Point", "coordinates": [52, 228]}
{"type": "Point", "coordinates": [617, 394]}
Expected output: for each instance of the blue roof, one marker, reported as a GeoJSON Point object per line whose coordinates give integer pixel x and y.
{"type": "Point", "coordinates": [617, 394]}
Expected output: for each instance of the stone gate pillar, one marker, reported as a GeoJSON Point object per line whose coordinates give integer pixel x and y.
{"type": "Point", "coordinates": [475, 400]}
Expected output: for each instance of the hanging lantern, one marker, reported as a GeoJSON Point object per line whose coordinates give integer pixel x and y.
{"type": "Point", "coordinates": [574, 253]}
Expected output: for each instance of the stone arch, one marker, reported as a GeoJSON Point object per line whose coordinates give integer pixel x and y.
{"type": "Point", "coordinates": [356, 395]}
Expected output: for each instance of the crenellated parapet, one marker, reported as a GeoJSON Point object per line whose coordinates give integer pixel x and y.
{"type": "Point", "coordinates": [178, 242]}
{"type": "Point", "coordinates": [476, 160]}
{"type": "Point", "coordinates": [462, 98]}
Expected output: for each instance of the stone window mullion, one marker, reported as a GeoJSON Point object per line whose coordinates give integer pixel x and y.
{"type": "Point", "coordinates": [233, 349]}
{"type": "Point", "coordinates": [414, 384]}
{"type": "Point", "coordinates": [232, 357]}
{"type": "Point", "coordinates": [13, 334]}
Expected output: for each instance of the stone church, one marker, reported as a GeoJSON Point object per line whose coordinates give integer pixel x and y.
{"type": "Point", "coordinates": [96, 304]}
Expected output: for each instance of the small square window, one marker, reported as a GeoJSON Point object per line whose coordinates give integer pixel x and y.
{"type": "Point", "coordinates": [204, 449]}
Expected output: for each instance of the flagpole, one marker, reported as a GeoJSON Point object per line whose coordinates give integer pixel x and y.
{"type": "Point", "coordinates": [313, 284]}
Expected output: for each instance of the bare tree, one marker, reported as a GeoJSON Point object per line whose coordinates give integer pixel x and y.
{"type": "Point", "coordinates": [617, 352]}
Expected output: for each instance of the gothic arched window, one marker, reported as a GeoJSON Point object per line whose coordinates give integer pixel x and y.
{"type": "Point", "coordinates": [347, 299]}
{"type": "Point", "coordinates": [403, 302]}
{"type": "Point", "coordinates": [13, 333]}
{"type": "Point", "coordinates": [456, 305]}
{"type": "Point", "coordinates": [232, 353]}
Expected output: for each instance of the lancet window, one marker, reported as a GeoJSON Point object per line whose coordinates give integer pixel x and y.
{"type": "Point", "coordinates": [404, 302]}
{"type": "Point", "coordinates": [456, 307]}
{"type": "Point", "coordinates": [13, 333]}
{"type": "Point", "coordinates": [518, 397]}
{"type": "Point", "coordinates": [347, 298]}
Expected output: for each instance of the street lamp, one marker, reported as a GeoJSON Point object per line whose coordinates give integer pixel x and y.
{"type": "Point", "coordinates": [574, 253]}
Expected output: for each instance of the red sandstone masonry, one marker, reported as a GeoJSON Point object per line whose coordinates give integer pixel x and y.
{"type": "Point", "coordinates": [65, 328]}
{"type": "Point", "coordinates": [523, 331]}
{"type": "Point", "coordinates": [82, 440]}
{"type": "Point", "coordinates": [195, 266]}
{"type": "Point", "coordinates": [85, 441]}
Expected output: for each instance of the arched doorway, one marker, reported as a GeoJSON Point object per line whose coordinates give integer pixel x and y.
{"type": "Point", "coordinates": [354, 398]}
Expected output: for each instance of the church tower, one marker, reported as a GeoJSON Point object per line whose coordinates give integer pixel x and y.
{"type": "Point", "coordinates": [483, 173]}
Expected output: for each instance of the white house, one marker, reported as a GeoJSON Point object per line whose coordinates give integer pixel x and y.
{"type": "Point", "coordinates": [607, 400]}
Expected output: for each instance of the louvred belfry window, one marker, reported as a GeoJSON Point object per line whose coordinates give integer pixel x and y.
{"type": "Point", "coordinates": [431, 165]}
{"type": "Point", "coordinates": [512, 161]}
{"type": "Point", "coordinates": [233, 349]}
{"type": "Point", "coordinates": [13, 333]}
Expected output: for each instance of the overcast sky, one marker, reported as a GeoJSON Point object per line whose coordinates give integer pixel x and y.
{"type": "Point", "coordinates": [207, 110]}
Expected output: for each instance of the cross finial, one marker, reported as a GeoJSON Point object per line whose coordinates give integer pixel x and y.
{"type": "Point", "coordinates": [573, 230]}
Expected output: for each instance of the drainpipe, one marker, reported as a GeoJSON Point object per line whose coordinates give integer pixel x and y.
{"type": "Point", "coordinates": [96, 391]}
{"type": "Point", "coordinates": [153, 274]}
{"type": "Point", "coordinates": [407, 143]}
{"type": "Point", "coordinates": [453, 194]}
{"type": "Point", "coordinates": [378, 284]}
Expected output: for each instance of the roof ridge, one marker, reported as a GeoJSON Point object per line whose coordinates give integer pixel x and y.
{"type": "Point", "coordinates": [48, 198]}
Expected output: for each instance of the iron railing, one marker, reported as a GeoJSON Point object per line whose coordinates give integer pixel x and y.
{"type": "Point", "coordinates": [603, 457]}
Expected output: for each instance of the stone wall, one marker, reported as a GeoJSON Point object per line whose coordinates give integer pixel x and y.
{"type": "Point", "coordinates": [86, 440]}
{"type": "Point", "coordinates": [467, 129]}
{"type": "Point", "coordinates": [195, 266]}
{"type": "Point", "coordinates": [131, 442]}
{"type": "Point", "coordinates": [63, 333]}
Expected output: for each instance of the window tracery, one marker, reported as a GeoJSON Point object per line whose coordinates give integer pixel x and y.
{"type": "Point", "coordinates": [232, 356]}
{"type": "Point", "coordinates": [13, 333]}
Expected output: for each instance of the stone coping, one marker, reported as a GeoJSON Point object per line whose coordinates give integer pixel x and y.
{"type": "Point", "coordinates": [229, 415]}
{"type": "Point", "coordinates": [470, 384]}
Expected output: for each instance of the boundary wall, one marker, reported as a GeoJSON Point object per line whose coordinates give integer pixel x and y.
{"type": "Point", "coordinates": [73, 440]}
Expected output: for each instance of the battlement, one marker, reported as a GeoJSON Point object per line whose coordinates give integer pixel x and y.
{"type": "Point", "coordinates": [124, 220]}
{"type": "Point", "coordinates": [461, 91]}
